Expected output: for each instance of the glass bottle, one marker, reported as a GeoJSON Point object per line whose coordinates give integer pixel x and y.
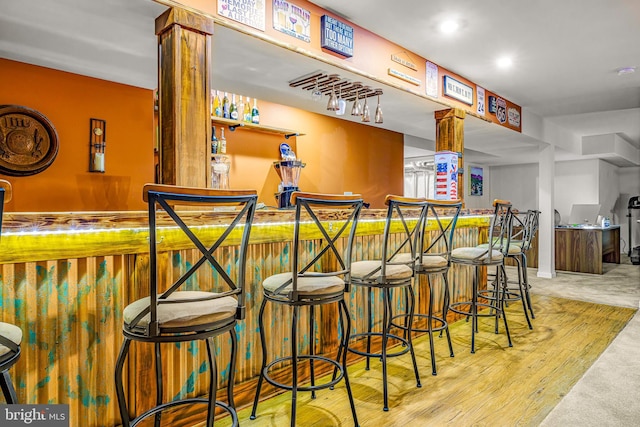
{"type": "Point", "coordinates": [217, 105]}
{"type": "Point", "coordinates": [247, 111]}
{"type": "Point", "coordinates": [240, 108]}
{"type": "Point", "coordinates": [222, 144]}
{"type": "Point", "coordinates": [233, 108]}
{"type": "Point", "coordinates": [214, 141]}
{"type": "Point", "coordinates": [214, 151]}
{"type": "Point", "coordinates": [225, 106]}
{"type": "Point", "coordinates": [255, 115]}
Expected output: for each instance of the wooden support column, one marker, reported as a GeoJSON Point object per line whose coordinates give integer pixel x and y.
{"type": "Point", "coordinates": [184, 64]}
{"type": "Point", "coordinates": [450, 137]}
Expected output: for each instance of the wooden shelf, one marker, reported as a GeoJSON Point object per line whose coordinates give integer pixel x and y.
{"type": "Point", "coordinates": [236, 124]}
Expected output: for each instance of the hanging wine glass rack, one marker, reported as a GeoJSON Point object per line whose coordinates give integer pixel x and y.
{"type": "Point", "coordinates": [325, 82]}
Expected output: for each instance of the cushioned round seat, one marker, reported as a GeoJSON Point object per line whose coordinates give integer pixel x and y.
{"type": "Point", "coordinates": [371, 270]}
{"type": "Point", "coordinates": [513, 248]}
{"type": "Point", "coordinates": [426, 262]}
{"type": "Point", "coordinates": [12, 333]}
{"type": "Point", "coordinates": [306, 285]}
{"type": "Point", "coordinates": [476, 253]}
{"type": "Point", "coordinates": [178, 314]}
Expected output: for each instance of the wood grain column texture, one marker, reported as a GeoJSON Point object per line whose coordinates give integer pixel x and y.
{"type": "Point", "coordinates": [450, 137]}
{"type": "Point", "coordinates": [184, 64]}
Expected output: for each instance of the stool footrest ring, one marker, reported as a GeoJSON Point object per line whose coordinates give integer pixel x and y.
{"type": "Point", "coordinates": [189, 401]}
{"type": "Point", "coordinates": [316, 358]}
{"type": "Point", "coordinates": [405, 344]}
{"type": "Point", "coordinates": [497, 312]}
{"type": "Point", "coordinates": [440, 323]}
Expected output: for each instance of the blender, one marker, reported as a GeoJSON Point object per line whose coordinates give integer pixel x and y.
{"type": "Point", "coordinates": [289, 172]}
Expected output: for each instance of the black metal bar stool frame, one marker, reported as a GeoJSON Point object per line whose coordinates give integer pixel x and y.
{"type": "Point", "coordinates": [435, 259]}
{"type": "Point", "coordinates": [147, 325]}
{"type": "Point", "coordinates": [394, 270]}
{"type": "Point", "coordinates": [489, 255]}
{"type": "Point", "coordinates": [309, 288]}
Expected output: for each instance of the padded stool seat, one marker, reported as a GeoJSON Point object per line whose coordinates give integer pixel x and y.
{"type": "Point", "coordinates": [12, 333]}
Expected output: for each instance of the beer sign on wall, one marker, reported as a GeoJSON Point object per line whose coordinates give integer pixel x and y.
{"type": "Point", "coordinates": [336, 36]}
{"type": "Point", "coordinates": [291, 19]}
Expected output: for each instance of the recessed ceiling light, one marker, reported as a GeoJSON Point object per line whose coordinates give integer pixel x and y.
{"type": "Point", "coordinates": [504, 62]}
{"type": "Point", "coordinates": [448, 27]}
{"type": "Point", "coordinates": [626, 70]}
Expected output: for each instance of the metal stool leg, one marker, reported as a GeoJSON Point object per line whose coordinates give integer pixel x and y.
{"type": "Point", "coordinates": [445, 311]}
{"type": "Point", "coordinates": [312, 348]}
{"type": "Point", "coordinates": [159, 385]}
{"type": "Point", "coordinates": [346, 332]}
{"type": "Point", "coordinates": [122, 402]}
{"type": "Point", "coordinates": [7, 388]}
{"type": "Point", "coordinates": [294, 363]}
{"type": "Point", "coordinates": [232, 367]}
{"type": "Point", "coordinates": [213, 383]}
{"type": "Point", "coordinates": [263, 342]}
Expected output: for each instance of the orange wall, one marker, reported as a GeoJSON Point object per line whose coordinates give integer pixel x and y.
{"type": "Point", "coordinates": [69, 101]}
{"type": "Point", "coordinates": [339, 155]}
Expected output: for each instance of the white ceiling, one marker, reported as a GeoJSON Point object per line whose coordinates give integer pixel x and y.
{"type": "Point", "coordinates": [566, 54]}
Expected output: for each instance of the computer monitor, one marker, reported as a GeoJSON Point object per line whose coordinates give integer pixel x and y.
{"type": "Point", "coordinates": [584, 214]}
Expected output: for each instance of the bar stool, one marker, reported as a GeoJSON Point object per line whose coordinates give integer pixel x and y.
{"type": "Point", "coordinates": [319, 278]}
{"type": "Point", "coordinates": [492, 254]}
{"type": "Point", "coordinates": [10, 335]}
{"type": "Point", "coordinates": [528, 227]}
{"type": "Point", "coordinates": [172, 315]}
{"type": "Point", "coordinates": [520, 241]}
{"type": "Point", "coordinates": [436, 243]}
{"type": "Point", "coordinates": [394, 270]}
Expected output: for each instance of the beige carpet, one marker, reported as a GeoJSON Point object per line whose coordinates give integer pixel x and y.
{"type": "Point", "coordinates": [609, 392]}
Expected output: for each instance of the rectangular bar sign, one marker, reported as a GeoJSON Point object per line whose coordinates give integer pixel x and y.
{"type": "Point", "coordinates": [34, 415]}
{"type": "Point", "coordinates": [292, 20]}
{"type": "Point", "coordinates": [458, 90]}
{"type": "Point", "coordinates": [336, 36]}
{"type": "Point", "coordinates": [446, 175]}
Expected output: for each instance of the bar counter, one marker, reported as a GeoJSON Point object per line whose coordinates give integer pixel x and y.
{"type": "Point", "coordinates": [67, 276]}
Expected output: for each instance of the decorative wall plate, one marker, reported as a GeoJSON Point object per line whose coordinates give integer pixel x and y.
{"type": "Point", "coordinates": [28, 141]}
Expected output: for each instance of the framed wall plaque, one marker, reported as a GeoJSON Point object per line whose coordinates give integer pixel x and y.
{"type": "Point", "coordinates": [28, 141]}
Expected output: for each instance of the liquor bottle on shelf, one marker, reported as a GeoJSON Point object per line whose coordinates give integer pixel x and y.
{"type": "Point", "coordinates": [255, 115]}
{"type": "Point", "coordinates": [233, 108]}
{"type": "Point", "coordinates": [225, 106]}
{"type": "Point", "coordinates": [217, 105]}
{"type": "Point", "coordinates": [247, 111]}
{"type": "Point", "coordinates": [214, 141]}
{"type": "Point", "coordinates": [240, 108]}
{"type": "Point", "coordinates": [222, 144]}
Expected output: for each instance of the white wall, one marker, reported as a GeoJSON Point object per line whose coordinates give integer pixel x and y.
{"type": "Point", "coordinates": [477, 202]}
{"type": "Point", "coordinates": [576, 182]}
{"type": "Point", "coordinates": [609, 189]}
{"type": "Point", "coordinates": [516, 183]}
{"type": "Point", "coordinates": [629, 184]}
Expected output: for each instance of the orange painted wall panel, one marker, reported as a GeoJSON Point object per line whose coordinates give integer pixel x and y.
{"type": "Point", "coordinates": [339, 155]}
{"type": "Point", "coordinates": [69, 101]}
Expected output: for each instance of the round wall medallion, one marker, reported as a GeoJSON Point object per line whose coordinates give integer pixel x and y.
{"type": "Point", "coordinates": [28, 141]}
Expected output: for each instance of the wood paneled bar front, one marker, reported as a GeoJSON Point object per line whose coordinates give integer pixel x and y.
{"type": "Point", "coordinates": [67, 276]}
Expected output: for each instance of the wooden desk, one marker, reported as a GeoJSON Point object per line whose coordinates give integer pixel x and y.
{"type": "Point", "coordinates": [585, 249]}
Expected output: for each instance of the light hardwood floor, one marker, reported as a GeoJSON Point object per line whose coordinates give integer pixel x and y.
{"type": "Point", "coordinates": [497, 386]}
